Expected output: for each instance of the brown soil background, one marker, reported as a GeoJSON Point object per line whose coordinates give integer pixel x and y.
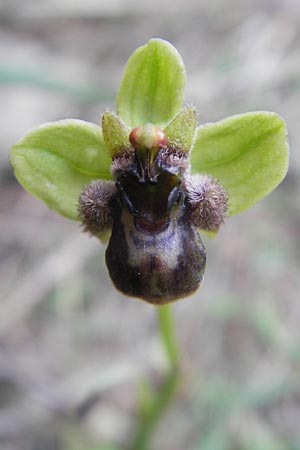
{"type": "Point", "coordinates": [72, 349]}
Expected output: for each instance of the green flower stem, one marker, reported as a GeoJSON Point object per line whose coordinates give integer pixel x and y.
{"type": "Point", "coordinates": [162, 397]}
{"type": "Point", "coordinates": [166, 327]}
{"type": "Point", "coordinates": [149, 422]}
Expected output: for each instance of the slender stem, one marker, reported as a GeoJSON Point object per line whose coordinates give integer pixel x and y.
{"type": "Point", "coordinates": [163, 395]}
{"type": "Point", "coordinates": [167, 332]}
{"type": "Point", "coordinates": [161, 402]}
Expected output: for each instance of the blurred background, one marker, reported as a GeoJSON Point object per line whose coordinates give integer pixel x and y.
{"type": "Point", "coordinates": [72, 349]}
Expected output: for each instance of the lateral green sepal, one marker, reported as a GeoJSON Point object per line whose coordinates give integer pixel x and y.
{"type": "Point", "coordinates": [56, 160]}
{"type": "Point", "coordinates": [246, 153]}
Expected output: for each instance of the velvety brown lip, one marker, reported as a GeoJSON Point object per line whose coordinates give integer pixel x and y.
{"type": "Point", "coordinates": [148, 226]}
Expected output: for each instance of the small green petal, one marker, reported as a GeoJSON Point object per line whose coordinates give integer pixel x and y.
{"type": "Point", "coordinates": [181, 130]}
{"type": "Point", "coordinates": [152, 85]}
{"type": "Point", "coordinates": [247, 153]}
{"type": "Point", "coordinates": [56, 160]}
{"type": "Point", "coordinates": [115, 134]}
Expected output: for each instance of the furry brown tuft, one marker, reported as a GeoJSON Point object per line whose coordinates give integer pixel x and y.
{"type": "Point", "coordinates": [122, 162]}
{"type": "Point", "coordinates": [208, 201]}
{"type": "Point", "coordinates": [174, 157]}
{"type": "Point", "coordinates": [94, 206]}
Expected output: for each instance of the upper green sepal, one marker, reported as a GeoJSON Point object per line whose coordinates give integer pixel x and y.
{"type": "Point", "coordinates": [247, 153]}
{"type": "Point", "coordinates": [152, 86]}
{"type": "Point", "coordinates": [56, 160]}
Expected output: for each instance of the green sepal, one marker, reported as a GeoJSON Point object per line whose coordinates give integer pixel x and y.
{"type": "Point", "coordinates": [56, 160]}
{"type": "Point", "coordinates": [115, 134]}
{"type": "Point", "coordinates": [181, 130]}
{"type": "Point", "coordinates": [247, 153]}
{"type": "Point", "coordinates": [152, 86]}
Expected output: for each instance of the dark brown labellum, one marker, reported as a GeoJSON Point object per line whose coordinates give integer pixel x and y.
{"type": "Point", "coordinates": [154, 252]}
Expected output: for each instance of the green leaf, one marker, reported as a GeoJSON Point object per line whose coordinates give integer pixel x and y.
{"type": "Point", "coordinates": [181, 130]}
{"type": "Point", "coordinates": [247, 153]}
{"type": "Point", "coordinates": [152, 86]}
{"type": "Point", "coordinates": [55, 161]}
